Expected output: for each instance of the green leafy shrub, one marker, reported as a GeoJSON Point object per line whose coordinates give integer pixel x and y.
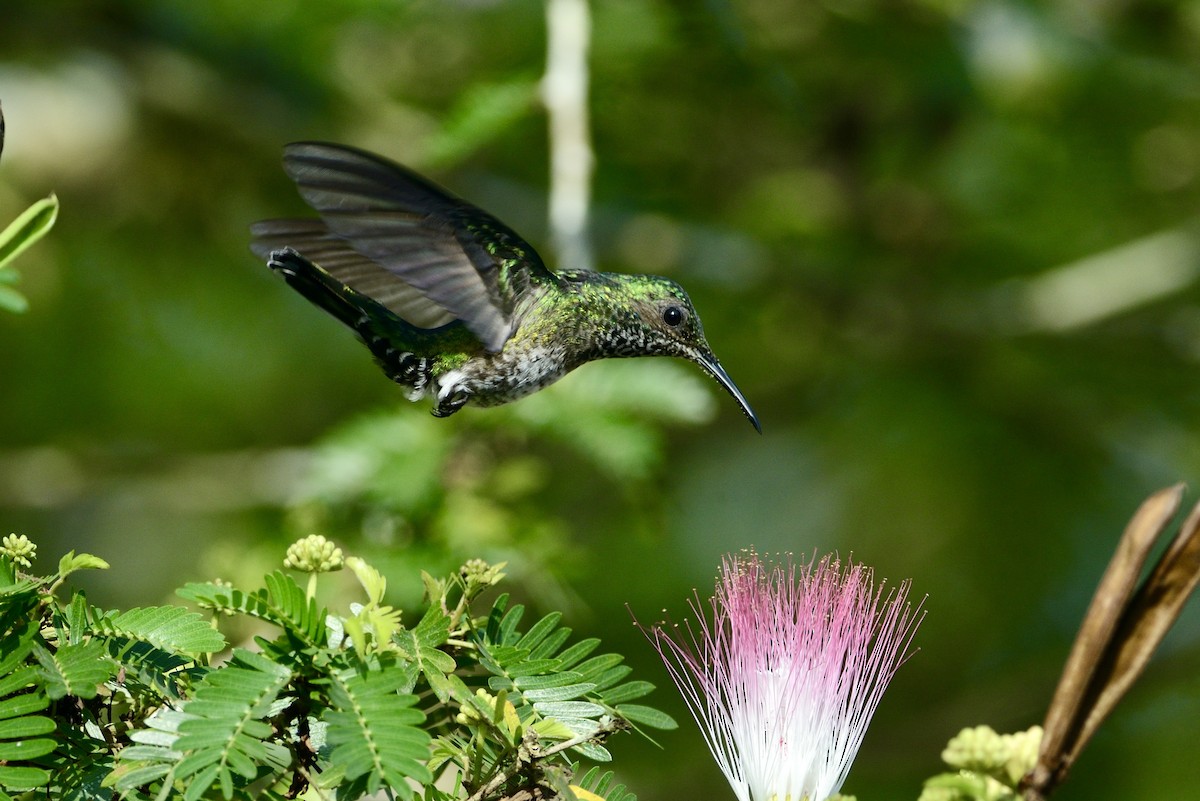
{"type": "Point", "coordinates": [95, 702]}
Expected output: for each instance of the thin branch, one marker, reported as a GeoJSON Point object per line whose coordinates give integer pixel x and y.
{"type": "Point", "coordinates": [565, 94]}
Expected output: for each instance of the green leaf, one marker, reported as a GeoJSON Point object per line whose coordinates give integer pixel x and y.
{"type": "Point", "coordinates": [76, 670]}
{"type": "Point", "coordinates": [551, 644]}
{"type": "Point", "coordinates": [553, 729]}
{"type": "Point", "coordinates": [539, 631]}
{"type": "Point", "coordinates": [569, 709]}
{"type": "Point", "coordinates": [433, 629]}
{"type": "Point", "coordinates": [647, 716]}
{"type": "Point", "coordinates": [167, 628]}
{"type": "Point", "coordinates": [204, 779]}
{"type": "Point", "coordinates": [567, 677]}
{"type": "Point", "coordinates": [77, 618]}
{"type": "Point", "coordinates": [29, 227]}
{"type": "Point", "coordinates": [502, 655]}
{"type": "Point", "coordinates": [29, 726]}
{"type": "Point", "coordinates": [596, 753]}
{"type": "Point", "coordinates": [21, 778]}
{"type": "Point", "coordinates": [379, 622]}
{"type": "Point", "coordinates": [161, 728]}
{"type": "Point", "coordinates": [128, 777]}
{"type": "Point", "coordinates": [19, 679]}
{"type": "Point", "coordinates": [627, 692]}
{"type": "Point", "coordinates": [16, 595]}
{"type": "Point", "coordinates": [440, 684]}
{"type": "Point", "coordinates": [533, 667]}
{"type": "Point", "coordinates": [579, 727]}
{"type": "Point", "coordinates": [17, 644]}
{"type": "Point", "coordinates": [578, 652]}
{"type": "Point", "coordinates": [373, 582]}
{"type": "Point", "coordinates": [26, 748]}
{"type": "Point", "coordinates": [564, 693]}
{"type": "Point", "coordinates": [72, 562]}
{"type": "Point", "coordinates": [502, 626]}
{"type": "Point", "coordinates": [439, 660]}
{"type": "Point", "coordinates": [20, 705]}
{"type": "Point", "coordinates": [597, 665]}
{"type": "Point", "coordinates": [610, 677]}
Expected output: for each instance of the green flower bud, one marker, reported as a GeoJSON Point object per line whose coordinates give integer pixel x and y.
{"type": "Point", "coordinates": [979, 749]}
{"type": "Point", "coordinates": [939, 794]}
{"type": "Point", "coordinates": [1022, 752]}
{"type": "Point", "coordinates": [19, 548]}
{"type": "Point", "coordinates": [469, 714]}
{"type": "Point", "coordinates": [1006, 757]}
{"type": "Point", "coordinates": [313, 554]}
{"type": "Point", "coordinates": [478, 573]}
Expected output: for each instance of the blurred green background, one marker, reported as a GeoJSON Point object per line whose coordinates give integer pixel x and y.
{"type": "Point", "coordinates": [948, 249]}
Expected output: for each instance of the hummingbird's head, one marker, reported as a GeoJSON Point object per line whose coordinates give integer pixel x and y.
{"type": "Point", "coordinates": [668, 325]}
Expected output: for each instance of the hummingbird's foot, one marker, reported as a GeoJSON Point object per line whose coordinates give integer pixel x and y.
{"type": "Point", "coordinates": [451, 403]}
{"type": "Point", "coordinates": [411, 370]}
{"type": "Point", "coordinates": [408, 370]}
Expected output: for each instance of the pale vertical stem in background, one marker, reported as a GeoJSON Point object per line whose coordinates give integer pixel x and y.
{"type": "Point", "coordinates": [565, 93]}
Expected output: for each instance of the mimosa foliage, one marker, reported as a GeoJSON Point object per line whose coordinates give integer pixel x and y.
{"type": "Point", "coordinates": [149, 703]}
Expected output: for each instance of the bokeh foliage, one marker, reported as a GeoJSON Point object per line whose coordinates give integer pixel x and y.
{"type": "Point", "coordinates": [946, 247]}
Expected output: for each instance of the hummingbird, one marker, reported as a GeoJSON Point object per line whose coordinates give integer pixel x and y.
{"type": "Point", "coordinates": [451, 302]}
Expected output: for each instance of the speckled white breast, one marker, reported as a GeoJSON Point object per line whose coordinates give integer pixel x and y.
{"type": "Point", "coordinates": [499, 378]}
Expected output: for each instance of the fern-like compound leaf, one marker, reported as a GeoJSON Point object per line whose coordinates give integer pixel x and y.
{"type": "Point", "coordinates": [223, 734]}
{"type": "Point", "coordinates": [76, 670]}
{"type": "Point", "coordinates": [281, 602]}
{"type": "Point", "coordinates": [146, 666]}
{"type": "Point", "coordinates": [167, 628]}
{"type": "Point", "coordinates": [603, 784]}
{"type": "Point", "coordinates": [374, 730]}
{"type": "Point", "coordinates": [562, 692]}
{"type": "Point", "coordinates": [24, 734]}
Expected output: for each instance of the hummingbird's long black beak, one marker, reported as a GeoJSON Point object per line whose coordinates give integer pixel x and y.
{"type": "Point", "coordinates": [713, 367]}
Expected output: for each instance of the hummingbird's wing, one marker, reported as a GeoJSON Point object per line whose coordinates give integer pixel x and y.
{"type": "Point", "coordinates": [311, 238]}
{"type": "Point", "coordinates": [458, 256]}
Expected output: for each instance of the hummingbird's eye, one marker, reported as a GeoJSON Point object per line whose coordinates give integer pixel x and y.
{"type": "Point", "coordinates": [672, 316]}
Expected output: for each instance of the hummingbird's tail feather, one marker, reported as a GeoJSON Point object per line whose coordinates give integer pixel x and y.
{"type": "Point", "coordinates": [315, 242]}
{"type": "Point", "coordinates": [319, 287]}
{"type": "Point", "coordinates": [384, 334]}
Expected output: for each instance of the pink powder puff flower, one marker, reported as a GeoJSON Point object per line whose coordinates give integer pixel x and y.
{"type": "Point", "coordinates": [785, 678]}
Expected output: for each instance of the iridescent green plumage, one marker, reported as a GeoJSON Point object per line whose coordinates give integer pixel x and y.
{"type": "Point", "coordinates": [451, 301]}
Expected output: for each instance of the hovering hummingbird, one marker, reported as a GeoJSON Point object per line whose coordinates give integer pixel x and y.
{"type": "Point", "coordinates": [452, 302]}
